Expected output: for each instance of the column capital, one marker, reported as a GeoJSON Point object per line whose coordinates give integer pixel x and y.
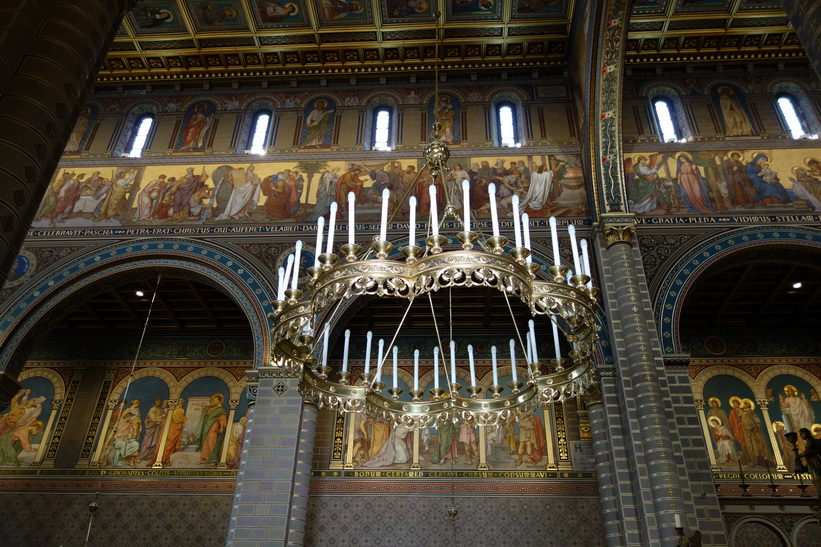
{"type": "Point", "coordinates": [763, 403]}
{"type": "Point", "coordinates": [699, 404]}
{"type": "Point", "coordinates": [593, 395]}
{"type": "Point", "coordinates": [620, 228]}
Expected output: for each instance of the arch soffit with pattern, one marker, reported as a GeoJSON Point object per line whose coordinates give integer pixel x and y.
{"type": "Point", "coordinates": [799, 525]}
{"type": "Point", "coordinates": [505, 93]}
{"type": "Point", "coordinates": [308, 99]}
{"type": "Point", "coordinates": [758, 520]}
{"type": "Point", "coordinates": [708, 373]}
{"type": "Point", "coordinates": [275, 100]}
{"type": "Point", "coordinates": [708, 86]}
{"type": "Point", "coordinates": [392, 97]}
{"type": "Point", "coordinates": [218, 105]}
{"type": "Point", "coordinates": [148, 372]}
{"type": "Point", "coordinates": [777, 370]}
{"type": "Point", "coordinates": [647, 89]}
{"type": "Point", "coordinates": [427, 97]}
{"type": "Point", "coordinates": [680, 277]}
{"type": "Point", "coordinates": [249, 286]}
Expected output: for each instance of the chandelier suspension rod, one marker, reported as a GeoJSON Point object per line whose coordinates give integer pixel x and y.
{"type": "Point", "coordinates": [388, 349]}
{"type": "Point", "coordinates": [450, 381]}
{"type": "Point", "coordinates": [518, 333]}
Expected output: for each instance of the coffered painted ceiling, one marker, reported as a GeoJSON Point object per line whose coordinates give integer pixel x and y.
{"type": "Point", "coordinates": [185, 39]}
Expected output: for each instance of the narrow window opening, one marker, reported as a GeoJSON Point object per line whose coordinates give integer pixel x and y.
{"type": "Point", "coordinates": [666, 122]}
{"type": "Point", "coordinates": [789, 113]}
{"type": "Point", "coordinates": [382, 129]}
{"type": "Point", "coordinates": [259, 133]}
{"type": "Point", "coordinates": [138, 143]}
{"type": "Point", "coordinates": [507, 126]}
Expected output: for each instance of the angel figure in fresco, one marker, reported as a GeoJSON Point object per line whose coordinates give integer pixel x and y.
{"type": "Point", "coordinates": [755, 451]}
{"type": "Point", "coordinates": [725, 442]}
{"type": "Point", "coordinates": [736, 122]}
{"type": "Point", "coordinates": [796, 409]}
{"type": "Point", "coordinates": [211, 429]}
{"type": "Point", "coordinates": [532, 440]}
{"type": "Point", "coordinates": [79, 131]}
{"type": "Point", "coordinates": [317, 124]}
{"type": "Point", "coordinates": [196, 129]}
{"type": "Point", "coordinates": [446, 116]}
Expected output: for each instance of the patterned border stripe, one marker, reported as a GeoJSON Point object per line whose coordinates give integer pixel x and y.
{"type": "Point", "coordinates": [675, 287]}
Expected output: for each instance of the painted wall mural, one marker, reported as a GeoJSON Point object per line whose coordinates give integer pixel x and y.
{"type": "Point", "coordinates": [82, 129]}
{"type": "Point", "coordinates": [794, 405]}
{"type": "Point", "coordinates": [24, 424]}
{"type": "Point", "coordinates": [448, 113]}
{"type": "Point", "coordinates": [154, 424]}
{"type": "Point", "coordinates": [550, 184]}
{"type": "Point", "coordinates": [197, 125]}
{"type": "Point", "coordinates": [317, 130]}
{"type": "Point", "coordinates": [712, 182]}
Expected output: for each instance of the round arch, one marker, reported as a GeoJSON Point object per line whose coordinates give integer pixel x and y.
{"type": "Point", "coordinates": [710, 372]}
{"type": "Point", "coordinates": [55, 379]}
{"type": "Point", "coordinates": [32, 312]}
{"type": "Point", "coordinates": [152, 107]}
{"type": "Point", "coordinates": [153, 372]}
{"type": "Point", "coordinates": [684, 273]}
{"type": "Point", "coordinates": [769, 525]}
{"type": "Point", "coordinates": [235, 387]}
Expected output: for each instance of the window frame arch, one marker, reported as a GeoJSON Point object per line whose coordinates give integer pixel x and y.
{"type": "Point", "coordinates": [519, 132]}
{"type": "Point", "coordinates": [376, 105]}
{"type": "Point", "coordinates": [678, 114]}
{"type": "Point", "coordinates": [498, 112]}
{"type": "Point", "coordinates": [135, 134]}
{"type": "Point", "coordinates": [807, 115]}
{"type": "Point", "coordinates": [251, 133]}
{"type": "Point", "coordinates": [124, 140]}
{"type": "Point", "coordinates": [246, 124]}
{"type": "Point", "coordinates": [375, 129]}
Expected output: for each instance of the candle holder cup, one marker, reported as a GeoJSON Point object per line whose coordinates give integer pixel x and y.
{"type": "Point", "coordinates": [351, 251]}
{"type": "Point", "coordinates": [520, 254]}
{"type": "Point", "coordinates": [395, 392]}
{"type": "Point", "coordinates": [467, 239]}
{"type": "Point", "coordinates": [344, 377]}
{"type": "Point", "coordinates": [496, 390]}
{"type": "Point", "coordinates": [559, 272]}
{"type": "Point", "coordinates": [436, 243]}
{"type": "Point", "coordinates": [381, 247]}
{"type": "Point", "coordinates": [411, 253]}
{"type": "Point", "coordinates": [328, 260]}
{"type": "Point", "coordinates": [497, 244]}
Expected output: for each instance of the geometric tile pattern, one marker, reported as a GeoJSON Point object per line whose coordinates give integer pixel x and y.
{"type": "Point", "coordinates": [412, 521]}
{"type": "Point", "coordinates": [143, 520]}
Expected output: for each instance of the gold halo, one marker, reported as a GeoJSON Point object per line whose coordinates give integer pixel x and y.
{"type": "Point", "coordinates": [714, 421]}
{"type": "Point", "coordinates": [295, 6]}
{"type": "Point", "coordinates": [36, 427]}
{"type": "Point", "coordinates": [170, 15]}
{"type": "Point", "coordinates": [734, 398]}
{"type": "Point", "coordinates": [683, 155]}
{"type": "Point", "coordinates": [752, 403]}
{"type": "Point", "coordinates": [765, 154]}
{"type": "Point", "coordinates": [421, 6]}
{"type": "Point", "coordinates": [357, 6]}
{"type": "Point", "coordinates": [229, 12]}
{"type": "Point", "coordinates": [807, 160]}
{"type": "Point", "coordinates": [711, 399]}
{"type": "Point", "coordinates": [776, 424]}
{"type": "Point", "coordinates": [815, 429]}
{"type": "Point", "coordinates": [731, 152]}
{"type": "Point", "coordinates": [790, 386]}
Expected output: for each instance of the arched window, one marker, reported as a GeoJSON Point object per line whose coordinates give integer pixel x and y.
{"type": "Point", "coordinates": [791, 115]}
{"type": "Point", "coordinates": [506, 124]}
{"type": "Point", "coordinates": [260, 132]}
{"type": "Point", "coordinates": [140, 140]}
{"type": "Point", "coordinates": [382, 122]}
{"type": "Point", "coordinates": [666, 121]}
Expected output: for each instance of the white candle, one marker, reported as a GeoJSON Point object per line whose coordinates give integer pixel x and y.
{"type": "Point", "coordinates": [678, 520]}
{"type": "Point", "coordinates": [395, 367]}
{"type": "Point", "coordinates": [574, 248]}
{"type": "Point", "coordinates": [368, 339]}
{"type": "Point", "coordinates": [586, 262]}
{"type": "Point", "coordinates": [288, 265]}
{"type": "Point", "coordinates": [416, 370]}
{"type": "Point", "coordinates": [466, 203]}
{"type": "Point", "coordinates": [436, 367]}
{"type": "Point", "coordinates": [320, 226]}
{"type": "Point", "coordinates": [351, 209]}
{"type": "Point", "coordinates": [517, 229]}
{"type": "Point", "coordinates": [526, 233]}
{"type": "Point", "coordinates": [494, 213]}
{"type": "Point", "coordinates": [532, 333]}
{"type": "Point", "coordinates": [556, 339]}
{"type": "Point", "coordinates": [434, 214]}
{"type": "Point", "coordinates": [383, 226]}
{"type": "Point", "coordinates": [529, 349]}
{"type": "Point", "coordinates": [325, 336]}
{"type": "Point", "coordinates": [452, 362]}
{"type": "Point", "coordinates": [554, 239]}
{"type": "Point", "coordinates": [493, 363]}
{"type": "Point", "coordinates": [513, 360]}
{"type": "Point", "coordinates": [379, 356]}
{"type": "Point", "coordinates": [472, 367]}
{"type": "Point", "coordinates": [281, 284]}
{"type": "Point", "coordinates": [345, 350]}
{"type": "Point", "coordinates": [331, 226]}
{"type": "Point", "coordinates": [412, 223]}
{"type": "Point", "coordinates": [298, 254]}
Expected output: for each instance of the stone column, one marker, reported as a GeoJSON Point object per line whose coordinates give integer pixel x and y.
{"type": "Point", "coordinates": [605, 471]}
{"type": "Point", "coordinates": [41, 450]}
{"type": "Point", "coordinates": [52, 50]}
{"type": "Point", "coordinates": [708, 437]}
{"type": "Point", "coordinates": [763, 404]}
{"type": "Point", "coordinates": [805, 16]}
{"type": "Point", "coordinates": [271, 499]}
{"type": "Point", "coordinates": [232, 406]}
{"type": "Point", "coordinates": [102, 432]}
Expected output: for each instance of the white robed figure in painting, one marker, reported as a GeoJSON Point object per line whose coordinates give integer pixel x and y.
{"type": "Point", "coordinates": [243, 198]}
{"type": "Point", "coordinates": [538, 193]}
{"type": "Point", "coordinates": [395, 450]}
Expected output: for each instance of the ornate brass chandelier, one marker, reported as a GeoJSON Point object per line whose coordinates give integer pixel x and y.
{"type": "Point", "coordinates": [426, 265]}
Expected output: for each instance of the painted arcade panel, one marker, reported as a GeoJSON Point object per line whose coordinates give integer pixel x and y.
{"type": "Point", "coordinates": [277, 14]}
{"type": "Point", "coordinates": [794, 404]}
{"type": "Point", "coordinates": [25, 424]}
{"type": "Point", "coordinates": [288, 192]}
{"type": "Point", "coordinates": [202, 429]}
{"type": "Point", "coordinates": [197, 127]}
{"type": "Point", "coordinates": [217, 15]}
{"type": "Point", "coordinates": [737, 426]}
{"type": "Point", "coordinates": [156, 17]}
{"type": "Point", "coordinates": [344, 12]}
{"type": "Point", "coordinates": [83, 128]}
{"type": "Point", "coordinates": [715, 182]}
